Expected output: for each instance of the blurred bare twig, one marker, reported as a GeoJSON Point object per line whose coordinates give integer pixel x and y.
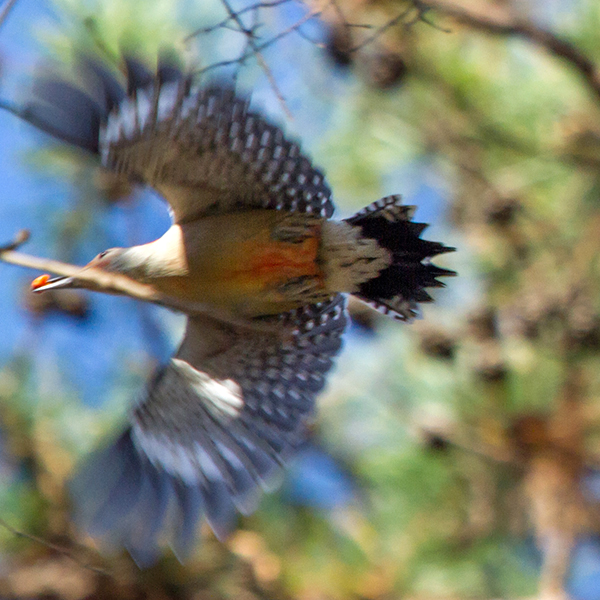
{"type": "Point", "coordinates": [8, 6]}
{"type": "Point", "coordinates": [64, 551]}
{"type": "Point", "coordinates": [225, 22]}
{"type": "Point", "coordinates": [400, 18]}
{"type": "Point", "coordinates": [22, 236]}
{"type": "Point", "coordinates": [259, 56]}
{"type": "Point", "coordinates": [260, 47]}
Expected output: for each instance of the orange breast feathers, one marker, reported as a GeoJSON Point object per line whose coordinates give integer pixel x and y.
{"type": "Point", "coordinates": [269, 261]}
{"type": "Point", "coordinates": [242, 257]}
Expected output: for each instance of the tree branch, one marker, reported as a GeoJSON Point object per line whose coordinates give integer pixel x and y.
{"type": "Point", "coordinates": [502, 24]}
{"type": "Point", "coordinates": [98, 280]}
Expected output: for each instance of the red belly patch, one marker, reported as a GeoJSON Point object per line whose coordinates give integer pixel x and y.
{"type": "Point", "coordinates": [273, 262]}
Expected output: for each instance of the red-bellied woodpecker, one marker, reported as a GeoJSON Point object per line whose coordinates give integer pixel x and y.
{"type": "Point", "coordinates": [252, 235]}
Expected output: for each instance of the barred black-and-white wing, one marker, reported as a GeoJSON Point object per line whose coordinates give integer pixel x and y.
{"type": "Point", "coordinates": [201, 147]}
{"type": "Point", "coordinates": [213, 428]}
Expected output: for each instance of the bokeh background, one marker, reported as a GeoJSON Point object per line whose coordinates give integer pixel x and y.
{"type": "Point", "coordinates": [455, 458]}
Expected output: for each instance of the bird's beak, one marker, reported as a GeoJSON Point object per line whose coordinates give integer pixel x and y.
{"type": "Point", "coordinates": [45, 283]}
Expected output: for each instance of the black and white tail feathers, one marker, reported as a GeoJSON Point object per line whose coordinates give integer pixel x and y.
{"type": "Point", "coordinates": [401, 286]}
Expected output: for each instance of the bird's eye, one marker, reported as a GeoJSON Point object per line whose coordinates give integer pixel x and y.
{"type": "Point", "coordinates": [102, 254]}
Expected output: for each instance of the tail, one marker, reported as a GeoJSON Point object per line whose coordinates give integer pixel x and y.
{"type": "Point", "coordinates": [400, 286]}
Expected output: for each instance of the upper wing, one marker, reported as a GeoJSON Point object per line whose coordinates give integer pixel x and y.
{"type": "Point", "coordinates": [202, 148]}
{"type": "Point", "coordinates": [214, 425]}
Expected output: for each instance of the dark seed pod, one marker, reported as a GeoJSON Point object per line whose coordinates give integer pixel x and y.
{"type": "Point", "coordinates": [438, 344]}
{"type": "Point", "coordinates": [503, 212]}
{"type": "Point", "coordinates": [386, 70]}
{"type": "Point", "coordinates": [338, 46]}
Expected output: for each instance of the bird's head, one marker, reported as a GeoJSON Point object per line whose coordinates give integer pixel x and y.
{"type": "Point", "coordinates": [115, 260]}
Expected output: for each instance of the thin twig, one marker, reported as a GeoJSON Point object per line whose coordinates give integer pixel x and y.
{"type": "Point", "coordinates": [361, 25]}
{"type": "Point", "coordinates": [340, 13]}
{"type": "Point", "coordinates": [249, 38]}
{"type": "Point", "coordinates": [260, 47]}
{"type": "Point", "coordinates": [422, 16]}
{"type": "Point", "coordinates": [259, 57]}
{"type": "Point", "coordinates": [21, 237]}
{"type": "Point", "coordinates": [6, 10]}
{"type": "Point", "coordinates": [304, 36]}
{"type": "Point", "coordinates": [307, 17]}
{"type": "Point", "coordinates": [223, 23]}
{"type": "Point", "coordinates": [380, 30]}
{"type": "Point", "coordinates": [61, 550]}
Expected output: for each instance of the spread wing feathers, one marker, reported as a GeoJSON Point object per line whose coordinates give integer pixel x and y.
{"type": "Point", "coordinates": [399, 288]}
{"type": "Point", "coordinates": [213, 428]}
{"type": "Point", "coordinates": [201, 147]}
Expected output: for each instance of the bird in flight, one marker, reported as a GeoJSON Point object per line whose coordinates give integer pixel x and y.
{"type": "Point", "coordinates": [252, 235]}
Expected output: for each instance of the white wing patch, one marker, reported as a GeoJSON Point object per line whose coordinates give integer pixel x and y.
{"type": "Point", "coordinates": [213, 429]}
{"type": "Point", "coordinates": [222, 397]}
